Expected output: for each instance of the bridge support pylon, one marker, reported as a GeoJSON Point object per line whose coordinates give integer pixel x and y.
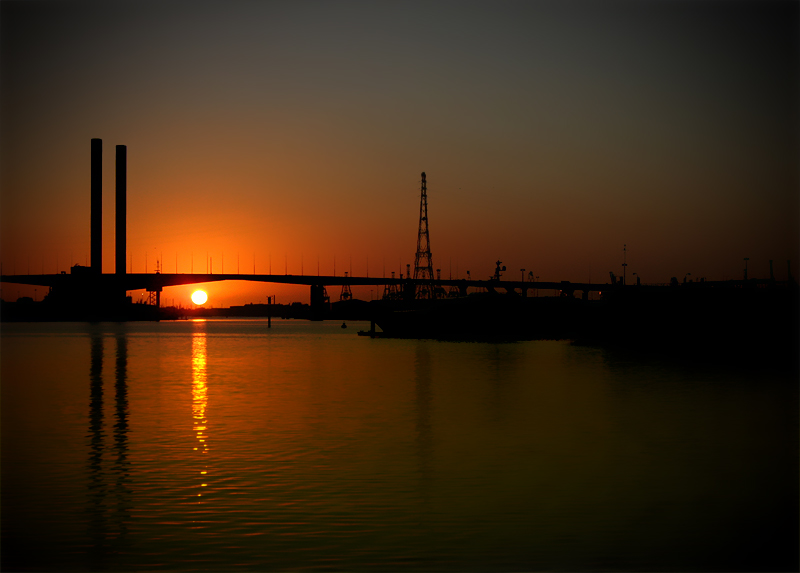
{"type": "Point", "coordinates": [320, 302]}
{"type": "Point", "coordinates": [154, 296]}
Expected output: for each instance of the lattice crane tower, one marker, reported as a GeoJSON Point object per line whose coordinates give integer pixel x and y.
{"type": "Point", "coordinates": [423, 265]}
{"type": "Point", "coordinates": [347, 293]}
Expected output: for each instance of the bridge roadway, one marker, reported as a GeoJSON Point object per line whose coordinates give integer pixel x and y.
{"type": "Point", "coordinates": [158, 281]}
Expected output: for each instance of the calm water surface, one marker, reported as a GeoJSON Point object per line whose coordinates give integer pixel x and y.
{"type": "Point", "coordinates": [224, 445]}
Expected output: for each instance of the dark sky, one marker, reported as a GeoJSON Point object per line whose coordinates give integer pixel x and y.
{"type": "Point", "coordinates": [552, 133]}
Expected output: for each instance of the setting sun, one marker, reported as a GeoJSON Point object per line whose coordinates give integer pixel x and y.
{"type": "Point", "coordinates": [199, 297]}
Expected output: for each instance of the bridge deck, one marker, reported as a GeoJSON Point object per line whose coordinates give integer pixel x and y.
{"type": "Point", "coordinates": [154, 281]}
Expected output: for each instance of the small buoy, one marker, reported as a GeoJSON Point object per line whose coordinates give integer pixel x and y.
{"type": "Point", "coordinates": [344, 325]}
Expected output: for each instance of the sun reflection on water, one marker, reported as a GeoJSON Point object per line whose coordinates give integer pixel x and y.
{"type": "Point", "coordinates": [200, 396]}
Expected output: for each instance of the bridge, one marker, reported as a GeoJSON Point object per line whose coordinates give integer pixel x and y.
{"type": "Point", "coordinates": [81, 277]}
{"type": "Point", "coordinates": [90, 287]}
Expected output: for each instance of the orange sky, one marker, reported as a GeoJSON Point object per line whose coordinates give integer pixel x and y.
{"type": "Point", "coordinates": [551, 135]}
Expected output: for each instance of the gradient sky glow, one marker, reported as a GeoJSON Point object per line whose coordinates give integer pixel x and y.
{"type": "Point", "coordinates": [552, 133]}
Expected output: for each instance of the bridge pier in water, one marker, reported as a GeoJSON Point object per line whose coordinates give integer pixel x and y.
{"type": "Point", "coordinates": [319, 302]}
{"type": "Point", "coordinates": [154, 296]}
{"type": "Point", "coordinates": [409, 290]}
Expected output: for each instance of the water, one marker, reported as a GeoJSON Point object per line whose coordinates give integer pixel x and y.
{"type": "Point", "coordinates": [224, 445]}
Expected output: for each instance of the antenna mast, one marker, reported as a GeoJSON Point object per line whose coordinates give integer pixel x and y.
{"type": "Point", "coordinates": [423, 265]}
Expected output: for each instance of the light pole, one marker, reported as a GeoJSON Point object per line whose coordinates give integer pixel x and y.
{"type": "Point", "coordinates": [522, 272]}
{"type": "Point", "coordinates": [624, 262]}
{"type": "Point", "coordinates": [745, 267]}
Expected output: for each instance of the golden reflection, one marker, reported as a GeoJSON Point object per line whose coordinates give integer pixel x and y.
{"type": "Point", "coordinates": [200, 394]}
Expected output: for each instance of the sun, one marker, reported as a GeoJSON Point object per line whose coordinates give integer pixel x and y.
{"type": "Point", "coordinates": [199, 297]}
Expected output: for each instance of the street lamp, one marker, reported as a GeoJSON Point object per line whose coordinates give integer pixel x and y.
{"type": "Point", "coordinates": [522, 278]}
{"type": "Point", "coordinates": [745, 267]}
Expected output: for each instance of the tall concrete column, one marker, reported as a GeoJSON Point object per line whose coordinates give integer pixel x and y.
{"type": "Point", "coordinates": [96, 250]}
{"type": "Point", "coordinates": [121, 205]}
